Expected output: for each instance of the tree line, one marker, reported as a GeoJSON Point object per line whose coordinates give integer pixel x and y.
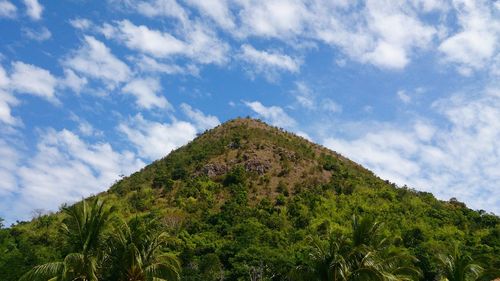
{"type": "Point", "coordinates": [106, 247]}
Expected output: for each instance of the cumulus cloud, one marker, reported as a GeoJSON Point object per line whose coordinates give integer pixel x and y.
{"type": "Point", "coordinates": [396, 33]}
{"type": "Point", "coordinates": [197, 42]}
{"type": "Point", "coordinates": [24, 79]}
{"type": "Point", "coordinates": [96, 61]}
{"type": "Point", "coordinates": [275, 18]}
{"type": "Point", "coordinates": [477, 41]}
{"type": "Point", "coordinates": [385, 33]}
{"type": "Point", "coordinates": [7, 9]}
{"type": "Point", "coordinates": [33, 9]}
{"type": "Point", "coordinates": [201, 121]}
{"type": "Point", "coordinates": [268, 63]}
{"type": "Point", "coordinates": [64, 168]}
{"type": "Point", "coordinates": [457, 159]}
{"type": "Point", "coordinates": [7, 100]}
{"type": "Point", "coordinates": [30, 79]}
{"type": "Point", "coordinates": [153, 42]}
{"type": "Point", "coordinates": [154, 140]}
{"type": "Point", "coordinates": [9, 158]}
{"type": "Point", "coordinates": [330, 105]}
{"type": "Point", "coordinates": [80, 23]}
{"type": "Point", "coordinates": [404, 96]}
{"type": "Point", "coordinates": [159, 8]}
{"type": "Point", "coordinates": [382, 33]}
{"type": "Point", "coordinates": [147, 93]}
{"type": "Point", "coordinates": [307, 98]}
{"type": "Point", "coordinates": [39, 35]}
{"type": "Point", "coordinates": [72, 81]}
{"type": "Point", "coordinates": [149, 64]}
{"type": "Point", "coordinates": [218, 11]}
{"type": "Point", "coordinates": [272, 114]}
{"type": "Point", "coordinates": [304, 96]}
{"type": "Point", "coordinates": [205, 46]}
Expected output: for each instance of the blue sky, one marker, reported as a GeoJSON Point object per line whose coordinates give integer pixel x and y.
{"type": "Point", "coordinates": [92, 90]}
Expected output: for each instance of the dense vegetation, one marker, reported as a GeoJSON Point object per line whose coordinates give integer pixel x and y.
{"type": "Point", "coordinates": [246, 201]}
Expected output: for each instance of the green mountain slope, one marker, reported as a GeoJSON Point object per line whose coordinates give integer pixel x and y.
{"type": "Point", "coordinates": [245, 199]}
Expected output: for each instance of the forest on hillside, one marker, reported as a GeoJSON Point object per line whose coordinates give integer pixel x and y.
{"type": "Point", "coordinates": [309, 214]}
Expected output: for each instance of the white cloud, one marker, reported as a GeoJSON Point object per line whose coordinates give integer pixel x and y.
{"type": "Point", "coordinates": [9, 158]}
{"type": "Point", "coordinates": [149, 41]}
{"type": "Point", "coordinates": [196, 42]}
{"type": "Point", "coordinates": [267, 62]}
{"type": "Point", "coordinates": [410, 96]}
{"type": "Point", "coordinates": [387, 56]}
{"type": "Point", "coordinates": [7, 100]}
{"type": "Point", "coordinates": [477, 40]}
{"type": "Point", "coordinates": [382, 33]}
{"type": "Point", "coordinates": [432, 5]}
{"type": "Point", "coordinates": [7, 9]}
{"type": "Point", "coordinates": [331, 106]}
{"type": "Point", "coordinates": [205, 46]}
{"type": "Point", "coordinates": [146, 92]}
{"type": "Point", "coordinates": [273, 114]}
{"type": "Point", "coordinates": [307, 99]}
{"type": "Point", "coordinates": [80, 23]}
{"type": "Point", "coordinates": [84, 127]}
{"type": "Point", "coordinates": [40, 35]}
{"type": "Point", "coordinates": [26, 79]}
{"type": "Point", "coordinates": [148, 64]}
{"type": "Point", "coordinates": [304, 96]}
{"type": "Point", "coordinates": [33, 9]}
{"type": "Point", "coordinates": [30, 79]}
{"type": "Point", "coordinates": [155, 140]}
{"type": "Point", "coordinates": [404, 96]}
{"type": "Point", "coordinates": [66, 169]}
{"type": "Point", "coordinates": [273, 18]}
{"type": "Point", "coordinates": [162, 8]}
{"type": "Point", "coordinates": [457, 159]}
{"type": "Point", "coordinates": [72, 81]}
{"type": "Point", "coordinates": [95, 60]}
{"type": "Point", "coordinates": [217, 10]}
{"type": "Point", "coordinates": [396, 32]}
{"type": "Point", "coordinates": [201, 121]}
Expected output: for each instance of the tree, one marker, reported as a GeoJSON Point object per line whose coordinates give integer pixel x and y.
{"type": "Point", "coordinates": [84, 226]}
{"type": "Point", "coordinates": [459, 267]}
{"type": "Point", "coordinates": [365, 256]}
{"type": "Point", "coordinates": [135, 254]}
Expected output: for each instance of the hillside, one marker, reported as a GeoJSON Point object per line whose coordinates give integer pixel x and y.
{"type": "Point", "coordinates": [246, 199]}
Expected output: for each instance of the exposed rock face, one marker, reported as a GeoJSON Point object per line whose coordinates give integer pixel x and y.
{"type": "Point", "coordinates": [214, 169]}
{"type": "Point", "coordinates": [258, 166]}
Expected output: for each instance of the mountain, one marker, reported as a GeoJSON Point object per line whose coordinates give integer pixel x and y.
{"type": "Point", "coordinates": [247, 199]}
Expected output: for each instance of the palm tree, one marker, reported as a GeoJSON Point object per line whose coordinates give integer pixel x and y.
{"type": "Point", "coordinates": [135, 254]}
{"type": "Point", "coordinates": [459, 267]}
{"type": "Point", "coordinates": [366, 256]}
{"type": "Point", "coordinates": [83, 226]}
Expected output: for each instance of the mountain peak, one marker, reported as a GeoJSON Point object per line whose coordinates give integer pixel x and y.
{"type": "Point", "coordinates": [273, 159]}
{"type": "Point", "coordinates": [247, 194]}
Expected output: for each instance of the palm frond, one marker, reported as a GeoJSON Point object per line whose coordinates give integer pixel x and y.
{"type": "Point", "coordinates": [44, 272]}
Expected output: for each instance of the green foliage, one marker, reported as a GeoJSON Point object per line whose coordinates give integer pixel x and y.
{"type": "Point", "coordinates": [329, 163]}
{"type": "Point", "coordinates": [135, 253]}
{"type": "Point", "coordinates": [366, 255]}
{"type": "Point", "coordinates": [83, 226]}
{"type": "Point", "coordinates": [459, 267]}
{"type": "Point", "coordinates": [130, 252]}
{"type": "Point", "coordinates": [236, 176]}
{"type": "Point", "coordinates": [239, 224]}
